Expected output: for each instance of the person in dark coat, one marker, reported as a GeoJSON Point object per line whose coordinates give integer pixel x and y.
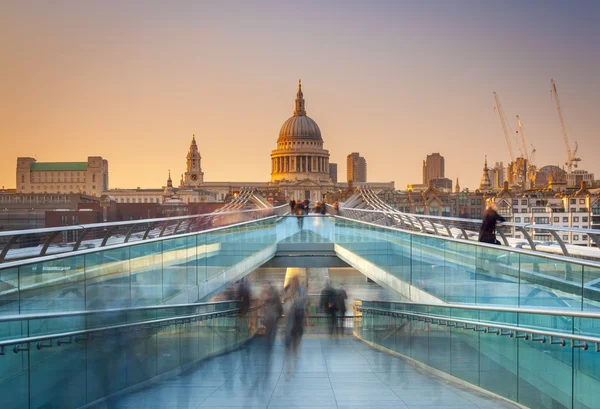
{"type": "Point", "coordinates": [487, 233]}
{"type": "Point", "coordinates": [243, 296]}
{"type": "Point", "coordinates": [306, 204]}
{"type": "Point", "coordinates": [328, 305]}
{"type": "Point", "coordinates": [292, 206]}
{"type": "Point", "coordinates": [323, 208]}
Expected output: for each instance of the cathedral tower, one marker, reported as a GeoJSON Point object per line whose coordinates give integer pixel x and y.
{"type": "Point", "coordinates": [193, 177]}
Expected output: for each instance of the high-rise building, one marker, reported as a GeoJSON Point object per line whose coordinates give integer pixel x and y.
{"type": "Point", "coordinates": [333, 173]}
{"type": "Point", "coordinates": [89, 177]}
{"type": "Point", "coordinates": [433, 168]}
{"type": "Point", "coordinates": [356, 168]}
{"type": "Point", "coordinates": [496, 175]}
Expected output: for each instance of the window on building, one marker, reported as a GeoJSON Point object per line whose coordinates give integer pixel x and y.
{"type": "Point", "coordinates": [565, 237]}
{"type": "Point", "coordinates": [22, 178]}
{"type": "Point", "coordinates": [584, 219]}
{"type": "Point", "coordinates": [556, 219]}
{"type": "Point", "coordinates": [584, 237]}
{"type": "Point", "coordinates": [517, 220]}
{"type": "Point", "coordinates": [526, 220]}
{"type": "Point", "coordinates": [472, 202]}
{"type": "Point", "coordinates": [573, 201]}
{"type": "Point", "coordinates": [596, 208]}
{"type": "Point", "coordinates": [479, 202]}
{"type": "Point", "coordinates": [575, 237]}
{"type": "Point", "coordinates": [515, 202]}
{"type": "Point", "coordinates": [581, 201]}
{"type": "Point", "coordinates": [565, 219]}
{"type": "Point", "coordinates": [541, 220]}
{"type": "Point", "coordinates": [93, 178]}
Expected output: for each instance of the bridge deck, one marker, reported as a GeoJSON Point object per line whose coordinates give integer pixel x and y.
{"type": "Point", "coordinates": [327, 374]}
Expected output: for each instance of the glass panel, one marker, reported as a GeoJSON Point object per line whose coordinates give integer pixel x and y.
{"type": "Point", "coordinates": [9, 291]}
{"type": "Point", "coordinates": [107, 279]}
{"type": "Point", "coordinates": [55, 285]}
{"type": "Point", "coordinates": [146, 274]}
{"type": "Point", "coordinates": [543, 279]}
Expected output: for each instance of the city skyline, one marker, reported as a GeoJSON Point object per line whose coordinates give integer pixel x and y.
{"type": "Point", "coordinates": [392, 82]}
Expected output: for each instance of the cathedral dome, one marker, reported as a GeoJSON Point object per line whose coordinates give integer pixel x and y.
{"type": "Point", "coordinates": [300, 127]}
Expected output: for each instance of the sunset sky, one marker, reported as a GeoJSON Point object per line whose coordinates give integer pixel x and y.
{"type": "Point", "coordinates": [394, 80]}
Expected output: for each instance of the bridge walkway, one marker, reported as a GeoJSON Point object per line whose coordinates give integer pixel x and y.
{"type": "Point", "coordinates": [328, 374]}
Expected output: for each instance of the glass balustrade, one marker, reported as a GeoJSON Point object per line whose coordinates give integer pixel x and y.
{"type": "Point", "coordinates": [534, 374]}
{"type": "Point", "coordinates": [170, 270]}
{"type": "Point", "coordinates": [93, 367]}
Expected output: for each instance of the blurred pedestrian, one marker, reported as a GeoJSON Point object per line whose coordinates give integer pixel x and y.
{"type": "Point", "coordinates": [306, 204]}
{"type": "Point", "coordinates": [273, 310]}
{"type": "Point", "coordinates": [487, 233]}
{"type": "Point", "coordinates": [295, 303]}
{"type": "Point", "coordinates": [292, 206]}
{"type": "Point", "coordinates": [323, 208]}
{"type": "Point", "coordinates": [328, 305]}
{"type": "Point", "coordinates": [243, 296]}
{"type": "Point", "coordinates": [336, 208]}
{"type": "Point", "coordinates": [340, 299]}
{"type": "Point", "coordinates": [272, 313]}
{"type": "Point", "coordinates": [300, 213]}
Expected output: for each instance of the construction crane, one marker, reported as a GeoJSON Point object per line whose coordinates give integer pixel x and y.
{"type": "Point", "coordinates": [531, 169]}
{"type": "Point", "coordinates": [525, 151]}
{"type": "Point", "coordinates": [571, 158]}
{"type": "Point", "coordinates": [504, 127]}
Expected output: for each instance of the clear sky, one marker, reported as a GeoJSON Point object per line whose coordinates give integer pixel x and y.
{"type": "Point", "coordinates": [394, 80]}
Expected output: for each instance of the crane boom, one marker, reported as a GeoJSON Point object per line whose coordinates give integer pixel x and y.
{"type": "Point", "coordinates": [571, 159]}
{"type": "Point", "coordinates": [504, 127]}
{"type": "Point", "coordinates": [520, 127]}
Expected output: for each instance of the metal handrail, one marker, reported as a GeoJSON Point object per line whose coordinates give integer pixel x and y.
{"type": "Point", "coordinates": [128, 222]}
{"type": "Point", "coordinates": [478, 221]}
{"type": "Point", "coordinates": [550, 256]}
{"type": "Point", "coordinates": [551, 312]}
{"type": "Point", "coordinates": [145, 227]}
{"type": "Point", "coordinates": [527, 333]}
{"type": "Point", "coordinates": [69, 335]}
{"type": "Point", "coordinates": [10, 264]}
{"type": "Point", "coordinates": [522, 228]}
{"type": "Point", "coordinates": [25, 317]}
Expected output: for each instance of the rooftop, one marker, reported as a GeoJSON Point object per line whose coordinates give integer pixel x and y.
{"type": "Point", "coordinates": [46, 166]}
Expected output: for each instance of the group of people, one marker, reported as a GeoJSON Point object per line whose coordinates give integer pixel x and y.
{"type": "Point", "coordinates": [302, 208]}
{"type": "Point", "coordinates": [333, 302]}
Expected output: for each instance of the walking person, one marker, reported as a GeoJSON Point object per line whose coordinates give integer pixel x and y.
{"type": "Point", "coordinates": [487, 233]}
{"type": "Point", "coordinates": [300, 213]}
{"type": "Point", "coordinates": [272, 313]}
{"type": "Point", "coordinates": [292, 206]}
{"type": "Point", "coordinates": [340, 298]}
{"type": "Point", "coordinates": [306, 204]}
{"type": "Point", "coordinates": [327, 304]}
{"type": "Point", "coordinates": [295, 303]}
{"type": "Point", "coordinates": [323, 208]}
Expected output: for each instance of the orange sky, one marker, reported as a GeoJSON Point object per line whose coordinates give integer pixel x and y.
{"type": "Point", "coordinates": [132, 82]}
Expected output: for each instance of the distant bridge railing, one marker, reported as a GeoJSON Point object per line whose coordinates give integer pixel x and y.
{"type": "Point", "coordinates": [536, 237]}
{"type": "Point", "coordinates": [24, 244]}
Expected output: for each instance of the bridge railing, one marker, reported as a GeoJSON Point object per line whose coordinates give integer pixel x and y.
{"type": "Point", "coordinates": [536, 237]}
{"type": "Point", "coordinates": [538, 358]}
{"type": "Point", "coordinates": [99, 354]}
{"type": "Point", "coordinates": [32, 243]}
